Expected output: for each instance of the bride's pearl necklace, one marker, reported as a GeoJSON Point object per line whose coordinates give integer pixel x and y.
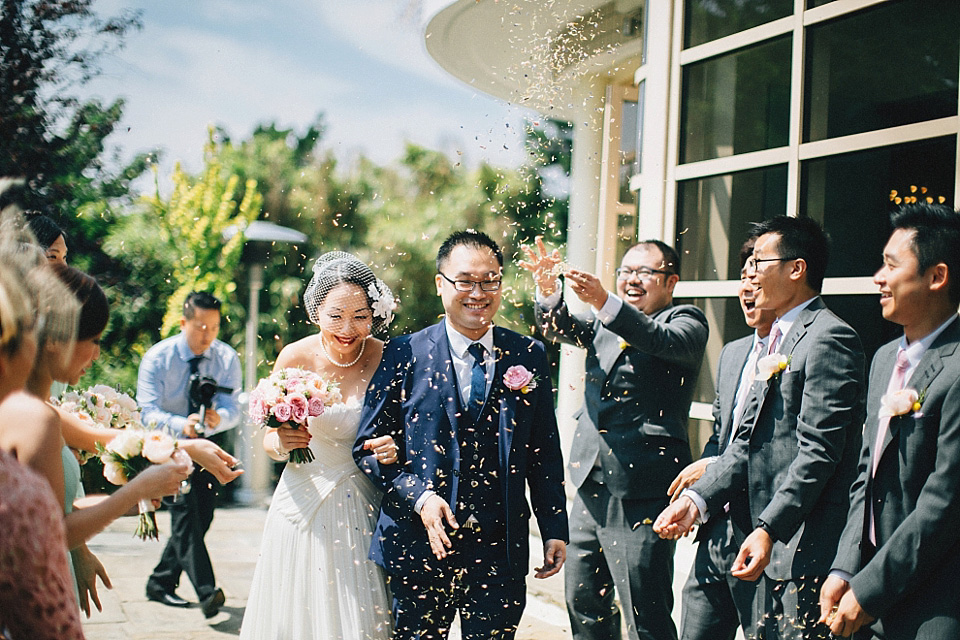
{"type": "Point", "coordinates": [326, 354]}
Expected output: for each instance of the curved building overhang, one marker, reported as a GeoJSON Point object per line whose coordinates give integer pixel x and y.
{"type": "Point", "coordinates": [539, 54]}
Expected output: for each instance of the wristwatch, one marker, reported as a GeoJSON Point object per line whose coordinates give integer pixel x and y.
{"type": "Point", "coordinates": [763, 525]}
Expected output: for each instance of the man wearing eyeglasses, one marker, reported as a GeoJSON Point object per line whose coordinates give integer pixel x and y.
{"type": "Point", "coordinates": [471, 406]}
{"type": "Point", "coordinates": [643, 357]}
{"type": "Point", "coordinates": [794, 455]}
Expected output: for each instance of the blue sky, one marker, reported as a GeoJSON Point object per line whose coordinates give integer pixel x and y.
{"type": "Point", "coordinates": [236, 63]}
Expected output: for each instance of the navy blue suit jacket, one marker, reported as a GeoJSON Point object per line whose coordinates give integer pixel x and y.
{"type": "Point", "coordinates": [413, 397]}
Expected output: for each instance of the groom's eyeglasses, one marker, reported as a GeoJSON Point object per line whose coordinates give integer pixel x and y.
{"type": "Point", "coordinates": [468, 285]}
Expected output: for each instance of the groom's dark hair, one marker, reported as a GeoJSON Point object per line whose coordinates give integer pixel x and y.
{"type": "Point", "coordinates": [470, 238]}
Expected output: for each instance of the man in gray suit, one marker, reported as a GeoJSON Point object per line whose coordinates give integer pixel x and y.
{"type": "Point", "coordinates": [899, 557]}
{"type": "Point", "coordinates": [788, 472]}
{"type": "Point", "coordinates": [643, 356]}
{"type": "Point", "coordinates": [715, 603]}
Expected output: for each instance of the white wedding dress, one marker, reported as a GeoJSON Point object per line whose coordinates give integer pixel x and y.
{"type": "Point", "coordinates": [313, 579]}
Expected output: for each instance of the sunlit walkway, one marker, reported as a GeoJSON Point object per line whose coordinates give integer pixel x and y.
{"type": "Point", "coordinates": [234, 541]}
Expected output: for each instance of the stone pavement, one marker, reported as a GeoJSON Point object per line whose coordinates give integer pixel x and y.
{"type": "Point", "coordinates": [234, 542]}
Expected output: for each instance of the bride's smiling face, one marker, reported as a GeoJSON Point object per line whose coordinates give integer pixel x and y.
{"type": "Point", "coordinates": [345, 318]}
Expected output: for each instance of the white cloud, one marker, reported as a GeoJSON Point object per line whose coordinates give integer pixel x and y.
{"type": "Point", "coordinates": [242, 62]}
{"type": "Point", "coordinates": [390, 31]}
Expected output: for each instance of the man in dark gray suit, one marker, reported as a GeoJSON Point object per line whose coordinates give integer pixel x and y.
{"type": "Point", "coordinates": [643, 356]}
{"type": "Point", "coordinates": [715, 603]}
{"type": "Point", "coordinates": [899, 557]}
{"type": "Point", "coordinates": [788, 472]}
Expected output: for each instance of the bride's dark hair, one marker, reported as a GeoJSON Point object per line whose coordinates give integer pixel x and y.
{"type": "Point", "coordinates": [338, 267]}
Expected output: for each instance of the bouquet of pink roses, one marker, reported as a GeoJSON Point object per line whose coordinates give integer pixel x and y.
{"type": "Point", "coordinates": [129, 453]}
{"type": "Point", "coordinates": [287, 398]}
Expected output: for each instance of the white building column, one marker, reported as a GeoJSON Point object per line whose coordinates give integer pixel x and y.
{"type": "Point", "coordinates": [581, 250]}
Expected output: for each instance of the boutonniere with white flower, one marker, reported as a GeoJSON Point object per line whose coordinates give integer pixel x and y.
{"type": "Point", "coordinates": [519, 378]}
{"type": "Point", "coordinates": [772, 365]}
{"type": "Point", "coordinates": [898, 403]}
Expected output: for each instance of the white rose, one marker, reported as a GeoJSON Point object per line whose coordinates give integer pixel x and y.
{"type": "Point", "coordinates": [272, 395]}
{"type": "Point", "coordinates": [126, 444]}
{"type": "Point", "coordinates": [158, 447]}
{"type": "Point", "coordinates": [128, 403]}
{"type": "Point", "coordinates": [103, 390]}
{"type": "Point", "coordinates": [70, 407]}
{"type": "Point", "coordinates": [102, 415]}
{"type": "Point", "coordinates": [71, 397]}
{"type": "Point", "coordinates": [113, 472]}
{"type": "Point", "coordinates": [898, 403]}
{"type": "Point", "coordinates": [771, 365]}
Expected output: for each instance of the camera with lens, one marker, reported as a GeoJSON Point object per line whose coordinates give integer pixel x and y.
{"type": "Point", "coordinates": [202, 390]}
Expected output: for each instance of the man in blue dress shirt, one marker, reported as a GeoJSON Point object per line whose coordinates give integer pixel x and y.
{"type": "Point", "coordinates": [163, 391]}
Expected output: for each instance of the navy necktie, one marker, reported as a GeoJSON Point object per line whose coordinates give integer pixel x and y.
{"type": "Point", "coordinates": [193, 406]}
{"type": "Point", "coordinates": [478, 381]}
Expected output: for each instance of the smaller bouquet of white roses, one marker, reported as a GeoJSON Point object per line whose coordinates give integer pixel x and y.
{"type": "Point", "coordinates": [288, 397]}
{"type": "Point", "coordinates": [102, 405]}
{"type": "Point", "coordinates": [132, 451]}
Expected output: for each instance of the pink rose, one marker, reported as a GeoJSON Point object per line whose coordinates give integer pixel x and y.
{"type": "Point", "coordinates": [517, 377]}
{"type": "Point", "coordinates": [299, 407]}
{"type": "Point", "coordinates": [282, 411]}
{"type": "Point", "coordinates": [258, 411]}
{"type": "Point", "coordinates": [316, 406]}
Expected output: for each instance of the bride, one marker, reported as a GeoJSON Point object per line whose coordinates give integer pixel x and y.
{"type": "Point", "coordinates": [313, 578]}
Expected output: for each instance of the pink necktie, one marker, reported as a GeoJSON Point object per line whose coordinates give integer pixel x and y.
{"type": "Point", "coordinates": [746, 382]}
{"type": "Point", "coordinates": [897, 381]}
{"type": "Point", "coordinates": [775, 336]}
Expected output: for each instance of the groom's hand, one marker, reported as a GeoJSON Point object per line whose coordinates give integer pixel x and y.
{"type": "Point", "coordinates": [554, 555]}
{"type": "Point", "coordinates": [433, 513]}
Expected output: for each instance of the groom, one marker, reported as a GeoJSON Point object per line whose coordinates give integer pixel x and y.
{"type": "Point", "coordinates": [472, 409]}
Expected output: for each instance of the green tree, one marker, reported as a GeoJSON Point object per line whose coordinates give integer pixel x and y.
{"type": "Point", "coordinates": [193, 222]}
{"type": "Point", "coordinates": [172, 246]}
{"type": "Point", "coordinates": [48, 136]}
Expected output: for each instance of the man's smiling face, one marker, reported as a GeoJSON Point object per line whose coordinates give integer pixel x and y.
{"type": "Point", "coordinates": [642, 282]}
{"type": "Point", "coordinates": [470, 312]}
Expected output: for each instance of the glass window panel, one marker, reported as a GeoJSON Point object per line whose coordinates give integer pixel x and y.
{"type": "Point", "coordinates": [641, 95]}
{"type": "Point", "coordinates": [886, 66]}
{"type": "Point", "coordinates": [627, 233]}
{"type": "Point", "coordinates": [862, 312]}
{"type": "Point", "coordinates": [850, 195]}
{"type": "Point", "coordinates": [726, 323]}
{"type": "Point", "coordinates": [714, 215]}
{"type": "Point", "coordinates": [629, 141]}
{"type": "Point", "coordinates": [812, 4]}
{"type": "Point", "coordinates": [737, 102]}
{"type": "Point", "coordinates": [706, 20]}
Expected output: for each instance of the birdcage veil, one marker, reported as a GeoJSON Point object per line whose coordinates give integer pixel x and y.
{"type": "Point", "coordinates": [56, 308]}
{"type": "Point", "coordinates": [338, 267]}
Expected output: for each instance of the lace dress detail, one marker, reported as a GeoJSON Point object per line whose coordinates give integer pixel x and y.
{"type": "Point", "coordinates": [36, 590]}
{"type": "Point", "coordinates": [313, 578]}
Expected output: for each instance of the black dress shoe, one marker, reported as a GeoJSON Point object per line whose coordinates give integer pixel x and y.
{"type": "Point", "coordinates": [212, 603]}
{"type": "Point", "coordinates": [169, 599]}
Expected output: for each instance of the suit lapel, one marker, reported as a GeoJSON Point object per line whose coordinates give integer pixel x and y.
{"type": "Point", "coordinates": [506, 402]}
{"type": "Point", "coordinates": [787, 344]}
{"type": "Point", "coordinates": [729, 385]}
{"type": "Point", "coordinates": [607, 346]}
{"type": "Point", "coordinates": [927, 370]}
{"type": "Point", "coordinates": [445, 378]}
